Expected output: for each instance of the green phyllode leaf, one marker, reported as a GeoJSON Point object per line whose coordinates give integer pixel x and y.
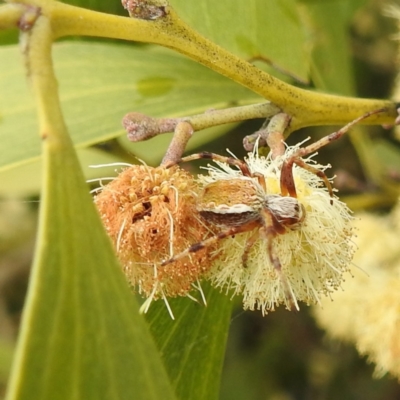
{"type": "Point", "coordinates": [193, 346]}
{"type": "Point", "coordinates": [99, 84]}
{"type": "Point", "coordinates": [331, 59]}
{"type": "Point", "coordinates": [82, 336]}
{"type": "Point", "coordinates": [251, 28]}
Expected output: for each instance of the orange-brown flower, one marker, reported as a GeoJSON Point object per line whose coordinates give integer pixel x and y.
{"type": "Point", "coordinates": [150, 215]}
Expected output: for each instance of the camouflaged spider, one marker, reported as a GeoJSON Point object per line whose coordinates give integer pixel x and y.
{"type": "Point", "coordinates": [241, 204]}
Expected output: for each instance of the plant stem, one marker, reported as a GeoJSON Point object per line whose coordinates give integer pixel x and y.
{"type": "Point", "coordinates": [10, 15]}
{"type": "Point", "coordinates": [306, 108]}
{"type": "Point", "coordinates": [36, 47]}
{"type": "Point", "coordinates": [142, 127]}
{"type": "Point", "coordinates": [36, 40]}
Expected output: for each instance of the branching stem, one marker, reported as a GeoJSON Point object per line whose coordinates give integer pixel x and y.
{"type": "Point", "coordinates": [306, 108]}
{"type": "Point", "coordinates": [142, 127]}
{"type": "Point", "coordinates": [10, 15]}
{"type": "Point", "coordinates": [36, 47]}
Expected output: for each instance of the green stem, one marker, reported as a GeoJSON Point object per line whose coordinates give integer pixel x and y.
{"type": "Point", "coordinates": [36, 42]}
{"type": "Point", "coordinates": [41, 75]}
{"type": "Point", "coordinates": [306, 108]}
{"type": "Point", "coordinates": [10, 15]}
{"type": "Point", "coordinates": [142, 127]}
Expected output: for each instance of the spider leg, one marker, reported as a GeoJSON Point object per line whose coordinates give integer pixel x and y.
{"type": "Point", "coordinates": [215, 157]}
{"type": "Point", "coordinates": [249, 244]}
{"type": "Point", "coordinates": [287, 184]}
{"type": "Point", "coordinates": [270, 233]}
{"type": "Point", "coordinates": [321, 174]}
{"type": "Point", "coordinates": [313, 147]}
{"type": "Point", "coordinates": [211, 240]}
{"type": "Point", "coordinates": [261, 180]}
{"type": "Point", "coordinates": [288, 188]}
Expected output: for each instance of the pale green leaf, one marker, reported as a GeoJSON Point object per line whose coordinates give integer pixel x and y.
{"type": "Point", "coordinates": [328, 24]}
{"type": "Point", "coordinates": [99, 84]}
{"type": "Point", "coordinates": [26, 179]}
{"type": "Point", "coordinates": [193, 346]}
{"type": "Point", "coordinates": [82, 336]}
{"type": "Point", "coordinates": [6, 353]}
{"type": "Point", "coordinates": [251, 28]}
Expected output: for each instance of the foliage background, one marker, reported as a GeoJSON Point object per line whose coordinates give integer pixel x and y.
{"type": "Point", "coordinates": [283, 355]}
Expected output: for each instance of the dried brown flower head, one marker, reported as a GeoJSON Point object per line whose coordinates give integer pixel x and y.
{"type": "Point", "coordinates": [150, 215]}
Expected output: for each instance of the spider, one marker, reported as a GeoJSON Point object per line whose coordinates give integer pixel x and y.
{"type": "Point", "coordinates": [241, 204]}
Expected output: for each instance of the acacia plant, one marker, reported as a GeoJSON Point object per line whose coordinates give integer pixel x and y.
{"type": "Point", "coordinates": [82, 335]}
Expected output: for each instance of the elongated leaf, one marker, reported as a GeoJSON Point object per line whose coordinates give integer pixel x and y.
{"type": "Point", "coordinates": [26, 179]}
{"type": "Point", "coordinates": [332, 68]}
{"type": "Point", "coordinates": [99, 84]}
{"type": "Point", "coordinates": [193, 346]}
{"type": "Point", "coordinates": [82, 336]}
{"type": "Point", "coordinates": [6, 353]}
{"type": "Point", "coordinates": [272, 29]}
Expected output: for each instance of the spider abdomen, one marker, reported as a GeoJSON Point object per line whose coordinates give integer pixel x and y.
{"type": "Point", "coordinates": [231, 193]}
{"type": "Point", "coordinates": [230, 219]}
{"type": "Point", "coordinates": [230, 203]}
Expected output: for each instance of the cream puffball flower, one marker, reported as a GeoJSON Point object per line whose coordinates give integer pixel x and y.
{"type": "Point", "coordinates": [367, 311]}
{"type": "Point", "coordinates": [314, 254]}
